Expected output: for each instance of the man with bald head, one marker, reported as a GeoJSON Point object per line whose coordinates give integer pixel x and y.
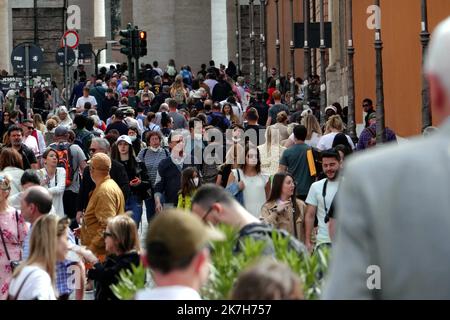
{"type": "Point", "coordinates": [393, 216]}
{"type": "Point", "coordinates": [106, 201]}
{"type": "Point", "coordinates": [36, 202]}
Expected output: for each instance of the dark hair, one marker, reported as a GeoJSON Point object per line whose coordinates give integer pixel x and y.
{"type": "Point", "coordinates": [331, 153]}
{"type": "Point", "coordinates": [192, 122]}
{"type": "Point", "coordinates": [300, 132]}
{"type": "Point", "coordinates": [89, 124]}
{"type": "Point", "coordinates": [159, 258]}
{"type": "Point", "coordinates": [42, 200]}
{"type": "Point", "coordinates": [187, 187]}
{"type": "Point", "coordinates": [155, 64]}
{"type": "Point", "coordinates": [341, 139]}
{"type": "Point", "coordinates": [248, 148]}
{"type": "Point", "coordinates": [252, 114]}
{"type": "Point", "coordinates": [165, 119]}
{"type": "Point", "coordinates": [30, 176]}
{"type": "Point", "coordinates": [132, 162]}
{"type": "Point", "coordinates": [344, 149]}
{"type": "Point", "coordinates": [10, 157]}
{"type": "Point", "coordinates": [172, 103]}
{"type": "Point", "coordinates": [277, 187]}
{"type": "Point", "coordinates": [80, 121]}
{"type": "Point", "coordinates": [209, 194]}
{"type": "Point", "coordinates": [368, 101]}
{"type": "Point", "coordinates": [87, 105]}
{"type": "Point", "coordinates": [211, 63]}
{"type": "Point", "coordinates": [14, 128]}
{"type": "Point", "coordinates": [151, 134]}
{"type": "Point", "coordinates": [47, 151]}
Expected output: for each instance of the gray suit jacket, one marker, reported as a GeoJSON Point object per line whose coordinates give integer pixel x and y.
{"type": "Point", "coordinates": [393, 211]}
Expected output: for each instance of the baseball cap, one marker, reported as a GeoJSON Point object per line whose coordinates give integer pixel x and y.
{"type": "Point", "coordinates": [175, 235]}
{"type": "Point", "coordinates": [61, 131]}
{"type": "Point", "coordinates": [333, 108]}
{"type": "Point", "coordinates": [101, 162]}
{"type": "Point", "coordinates": [124, 138]}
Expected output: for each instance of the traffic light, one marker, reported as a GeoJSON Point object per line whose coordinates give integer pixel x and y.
{"type": "Point", "coordinates": [126, 42]}
{"type": "Point", "coordinates": [142, 43]}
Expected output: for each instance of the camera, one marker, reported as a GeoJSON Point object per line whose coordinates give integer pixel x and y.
{"type": "Point", "coordinates": [14, 265]}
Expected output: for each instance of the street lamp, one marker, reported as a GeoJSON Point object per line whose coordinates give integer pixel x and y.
{"type": "Point", "coordinates": [97, 55]}
{"type": "Point", "coordinates": [277, 43]}
{"type": "Point", "coordinates": [425, 39]}
{"type": "Point", "coordinates": [292, 48]}
{"type": "Point", "coordinates": [306, 48]}
{"type": "Point", "coordinates": [351, 75]}
{"type": "Point", "coordinates": [379, 76]}
{"type": "Point", "coordinates": [238, 35]}
{"type": "Point", "coordinates": [323, 90]}
{"type": "Point", "coordinates": [252, 44]}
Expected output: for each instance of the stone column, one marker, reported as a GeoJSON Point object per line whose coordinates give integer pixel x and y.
{"type": "Point", "coordinates": [219, 32]}
{"type": "Point", "coordinates": [100, 24]}
{"type": "Point", "coordinates": [5, 35]}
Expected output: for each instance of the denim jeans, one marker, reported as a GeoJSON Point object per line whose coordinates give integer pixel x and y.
{"type": "Point", "coordinates": [134, 204]}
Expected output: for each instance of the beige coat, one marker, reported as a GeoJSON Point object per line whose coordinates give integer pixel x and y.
{"type": "Point", "coordinates": [285, 220]}
{"type": "Point", "coordinates": [106, 202]}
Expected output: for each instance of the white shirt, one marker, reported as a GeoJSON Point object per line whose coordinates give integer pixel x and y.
{"type": "Point", "coordinates": [315, 198]}
{"type": "Point", "coordinates": [313, 142]}
{"type": "Point", "coordinates": [37, 286]}
{"type": "Point", "coordinates": [32, 143]}
{"type": "Point", "coordinates": [326, 142]}
{"type": "Point", "coordinates": [254, 192]}
{"type": "Point", "coordinates": [82, 100]}
{"type": "Point", "coordinates": [168, 293]}
{"type": "Point", "coordinates": [14, 174]}
{"type": "Point", "coordinates": [56, 187]}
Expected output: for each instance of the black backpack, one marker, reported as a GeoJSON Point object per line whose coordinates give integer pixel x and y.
{"type": "Point", "coordinates": [218, 122]}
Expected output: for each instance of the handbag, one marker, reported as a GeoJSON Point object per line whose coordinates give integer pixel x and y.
{"type": "Point", "coordinates": [14, 264]}
{"type": "Point", "coordinates": [234, 189]}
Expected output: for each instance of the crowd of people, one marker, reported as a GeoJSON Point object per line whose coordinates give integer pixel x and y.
{"type": "Point", "coordinates": [190, 149]}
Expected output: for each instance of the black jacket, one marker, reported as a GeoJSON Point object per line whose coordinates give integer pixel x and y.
{"type": "Point", "coordinates": [117, 173]}
{"type": "Point", "coordinates": [105, 274]}
{"type": "Point", "coordinates": [170, 183]}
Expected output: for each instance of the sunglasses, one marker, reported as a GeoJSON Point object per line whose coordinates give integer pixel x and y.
{"type": "Point", "coordinates": [30, 128]}
{"type": "Point", "coordinates": [207, 214]}
{"type": "Point", "coordinates": [366, 105]}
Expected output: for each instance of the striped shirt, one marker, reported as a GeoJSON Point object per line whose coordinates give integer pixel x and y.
{"type": "Point", "coordinates": [152, 160]}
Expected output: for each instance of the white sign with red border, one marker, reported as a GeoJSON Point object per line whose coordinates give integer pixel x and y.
{"type": "Point", "coordinates": [72, 39]}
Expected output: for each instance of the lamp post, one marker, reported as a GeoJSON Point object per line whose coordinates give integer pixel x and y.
{"type": "Point", "coordinates": [425, 39]}
{"type": "Point", "coordinates": [292, 47]}
{"type": "Point", "coordinates": [252, 44]}
{"type": "Point", "coordinates": [306, 48]}
{"type": "Point", "coordinates": [277, 44]}
{"type": "Point", "coordinates": [262, 44]}
{"type": "Point", "coordinates": [238, 36]}
{"type": "Point", "coordinates": [323, 86]}
{"type": "Point", "coordinates": [351, 74]}
{"type": "Point", "coordinates": [379, 76]}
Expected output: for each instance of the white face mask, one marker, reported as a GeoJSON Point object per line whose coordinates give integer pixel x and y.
{"type": "Point", "coordinates": [195, 181]}
{"type": "Point", "coordinates": [154, 149]}
{"type": "Point", "coordinates": [133, 138]}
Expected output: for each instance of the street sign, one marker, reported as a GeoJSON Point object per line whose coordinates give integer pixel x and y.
{"type": "Point", "coordinates": [85, 51]}
{"type": "Point", "coordinates": [35, 58]}
{"type": "Point", "coordinates": [60, 57]}
{"type": "Point", "coordinates": [16, 83]}
{"type": "Point", "coordinates": [72, 39]}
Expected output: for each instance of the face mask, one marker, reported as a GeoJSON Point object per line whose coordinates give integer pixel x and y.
{"type": "Point", "coordinates": [154, 149]}
{"type": "Point", "coordinates": [195, 181]}
{"type": "Point", "coordinates": [133, 138]}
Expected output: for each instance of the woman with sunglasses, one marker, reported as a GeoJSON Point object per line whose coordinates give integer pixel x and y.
{"type": "Point", "coordinates": [13, 231]}
{"type": "Point", "coordinates": [5, 124]}
{"type": "Point", "coordinates": [282, 209]}
{"type": "Point", "coordinates": [122, 245]}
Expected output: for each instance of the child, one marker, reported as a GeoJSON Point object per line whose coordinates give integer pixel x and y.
{"type": "Point", "coordinates": [190, 182]}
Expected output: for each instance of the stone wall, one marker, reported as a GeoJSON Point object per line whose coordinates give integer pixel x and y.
{"type": "Point", "coordinates": [245, 42]}
{"type": "Point", "coordinates": [49, 32]}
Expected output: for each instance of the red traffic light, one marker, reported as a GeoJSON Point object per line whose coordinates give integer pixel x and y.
{"type": "Point", "coordinates": [142, 35]}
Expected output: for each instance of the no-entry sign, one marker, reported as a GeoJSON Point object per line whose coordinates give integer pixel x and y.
{"type": "Point", "coordinates": [72, 39]}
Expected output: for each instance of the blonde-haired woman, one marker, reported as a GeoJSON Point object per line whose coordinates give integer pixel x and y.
{"type": "Point", "coordinates": [271, 152]}
{"type": "Point", "coordinates": [35, 278]}
{"type": "Point", "coordinates": [122, 244]}
{"type": "Point", "coordinates": [333, 126]}
{"type": "Point", "coordinates": [178, 91]}
{"type": "Point", "coordinates": [13, 231]}
{"type": "Point", "coordinates": [314, 132]}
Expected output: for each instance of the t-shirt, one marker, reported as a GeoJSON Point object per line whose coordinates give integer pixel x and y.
{"type": "Point", "coordinates": [28, 157]}
{"type": "Point", "coordinates": [275, 110]}
{"type": "Point", "coordinates": [179, 121]}
{"type": "Point", "coordinates": [82, 100]}
{"type": "Point", "coordinates": [168, 293]}
{"type": "Point", "coordinates": [315, 199]}
{"type": "Point", "coordinates": [326, 142]}
{"type": "Point", "coordinates": [296, 161]}
{"type": "Point", "coordinates": [38, 285]}
{"type": "Point", "coordinates": [315, 138]}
